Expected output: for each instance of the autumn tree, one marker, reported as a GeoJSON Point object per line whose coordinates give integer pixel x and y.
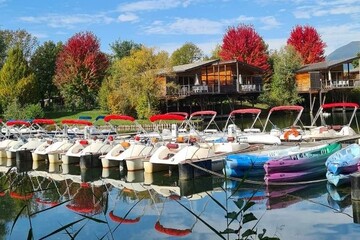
{"type": "Point", "coordinates": [43, 65]}
{"type": "Point", "coordinates": [122, 49]}
{"type": "Point", "coordinates": [17, 83]}
{"type": "Point", "coordinates": [132, 87]}
{"type": "Point", "coordinates": [307, 41]}
{"type": "Point", "coordinates": [187, 53]}
{"type": "Point", "coordinates": [244, 44]}
{"type": "Point", "coordinates": [281, 90]}
{"type": "Point", "coordinates": [80, 69]}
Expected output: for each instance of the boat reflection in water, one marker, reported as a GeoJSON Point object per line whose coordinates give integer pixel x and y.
{"type": "Point", "coordinates": [132, 204]}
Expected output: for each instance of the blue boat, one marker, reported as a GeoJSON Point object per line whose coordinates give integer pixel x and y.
{"type": "Point", "coordinates": [337, 179]}
{"type": "Point", "coordinates": [252, 164]}
{"type": "Point", "coordinates": [344, 161]}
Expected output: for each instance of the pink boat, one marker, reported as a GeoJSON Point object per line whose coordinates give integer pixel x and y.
{"type": "Point", "coordinates": [302, 161]}
{"type": "Point", "coordinates": [299, 176]}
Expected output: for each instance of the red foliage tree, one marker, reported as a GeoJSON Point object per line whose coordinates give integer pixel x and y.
{"type": "Point", "coordinates": [80, 69]}
{"type": "Point", "coordinates": [307, 41]}
{"type": "Point", "coordinates": [244, 44]}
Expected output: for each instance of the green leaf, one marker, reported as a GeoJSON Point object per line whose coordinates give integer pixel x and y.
{"type": "Point", "coordinates": [229, 230]}
{"type": "Point", "coordinates": [231, 215]}
{"type": "Point", "coordinates": [248, 205]}
{"type": "Point", "coordinates": [62, 228]}
{"type": "Point", "coordinates": [239, 203]}
{"type": "Point", "coordinates": [248, 233]}
{"type": "Point", "coordinates": [248, 218]}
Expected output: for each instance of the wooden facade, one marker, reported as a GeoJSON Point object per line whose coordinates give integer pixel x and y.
{"type": "Point", "coordinates": [327, 76]}
{"type": "Point", "coordinates": [215, 77]}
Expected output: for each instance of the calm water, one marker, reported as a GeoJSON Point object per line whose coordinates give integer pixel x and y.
{"type": "Point", "coordinates": [62, 201]}
{"type": "Point", "coordinates": [154, 202]}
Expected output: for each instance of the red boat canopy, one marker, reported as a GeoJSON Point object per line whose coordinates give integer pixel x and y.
{"type": "Point", "coordinates": [171, 231]}
{"type": "Point", "coordinates": [76, 121]}
{"type": "Point", "coordinates": [166, 117]}
{"type": "Point", "coordinates": [17, 122]}
{"type": "Point", "coordinates": [198, 113]}
{"type": "Point", "coordinates": [246, 110]}
{"type": "Point", "coordinates": [43, 121]}
{"type": "Point", "coordinates": [290, 107]}
{"type": "Point", "coordinates": [344, 104]}
{"type": "Point", "coordinates": [118, 117]}
{"type": "Point", "coordinates": [185, 114]}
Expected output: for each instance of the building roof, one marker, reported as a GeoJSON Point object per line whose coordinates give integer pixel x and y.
{"type": "Point", "coordinates": [325, 65]}
{"type": "Point", "coordinates": [190, 66]}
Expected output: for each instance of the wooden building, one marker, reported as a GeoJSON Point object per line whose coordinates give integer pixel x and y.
{"type": "Point", "coordinates": [219, 80]}
{"type": "Point", "coordinates": [330, 75]}
{"type": "Point", "coordinates": [335, 77]}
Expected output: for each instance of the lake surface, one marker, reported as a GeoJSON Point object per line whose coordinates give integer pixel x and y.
{"type": "Point", "coordinates": [100, 203]}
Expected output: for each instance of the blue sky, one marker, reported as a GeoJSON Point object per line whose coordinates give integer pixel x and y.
{"type": "Point", "coordinates": [168, 24]}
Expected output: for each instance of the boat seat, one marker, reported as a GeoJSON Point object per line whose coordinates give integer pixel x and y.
{"type": "Point", "coordinates": [335, 127]}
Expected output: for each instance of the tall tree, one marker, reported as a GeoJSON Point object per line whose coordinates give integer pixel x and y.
{"type": "Point", "coordinates": [2, 50]}
{"type": "Point", "coordinates": [80, 70]}
{"type": "Point", "coordinates": [43, 65]}
{"type": "Point", "coordinates": [244, 44]}
{"type": "Point", "coordinates": [307, 41]}
{"type": "Point", "coordinates": [123, 48]}
{"type": "Point", "coordinates": [16, 80]}
{"type": "Point", "coordinates": [187, 53]}
{"type": "Point", "coordinates": [20, 38]}
{"type": "Point", "coordinates": [355, 63]}
{"type": "Point", "coordinates": [281, 90]}
{"type": "Point", "coordinates": [133, 87]}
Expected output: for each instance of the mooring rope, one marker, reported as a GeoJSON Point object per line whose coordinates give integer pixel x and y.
{"type": "Point", "coordinates": [253, 181]}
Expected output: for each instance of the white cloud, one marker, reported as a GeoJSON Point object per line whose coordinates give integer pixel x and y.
{"type": "Point", "coordinates": [275, 43]}
{"type": "Point", "coordinates": [186, 26]}
{"type": "Point", "coordinates": [149, 5]}
{"type": "Point", "coordinates": [128, 17]}
{"type": "Point", "coordinates": [327, 8]}
{"type": "Point", "coordinates": [68, 21]}
{"type": "Point", "coordinates": [330, 35]}
{"type": "Point", "coordinates": [269, 22]}
{"type": "Point", "coordinates": [40, 35]}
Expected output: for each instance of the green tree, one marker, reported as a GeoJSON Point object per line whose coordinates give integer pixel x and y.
{"type": "Point", "coordinates": [80, 70]}
{"type": "Point", "coordinates": [281, 90]}
{"type": "Point", "coordinates": [133, 86]}
{"type": "Point", "coordinates": [188, 53]}
{"type": "Point", "coordinates": [123, 48]}
{"type": "Point", "coordinates": [43, 65]}
{"type": "Point", "coordinates": [355, 63]}
{"type": "Point", "coordinates": [20, 38]}
{"type": "Point", "coordinates": [16, 80]}
{"type": "Point", "coordinates": [2, 50]}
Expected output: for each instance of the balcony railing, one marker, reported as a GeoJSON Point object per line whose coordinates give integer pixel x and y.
{"type": "Point", "coordinates": [187, 90]}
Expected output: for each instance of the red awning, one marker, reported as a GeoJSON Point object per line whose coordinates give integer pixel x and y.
{"type": "Point", "coordinates": [118, 117]}
{"type": "Point", "coordinates": [76, 121]}
{"type": "Point", "coordinates": [289, 108]}
{"type": "Point", "coordinates": [166, 117]}
{"type": "Point", "coordinates": [246, 110]}
{"type": "Point", "coordinates": [185, 114]}
{"type": "Point", "coordinates": [343, 104]}
{"type": "Point", "coordinates": [43, 121]}
{"type": "Point", "coordinates": [198, 113]}
{"type": "Point", "coordinates": [17, 122]}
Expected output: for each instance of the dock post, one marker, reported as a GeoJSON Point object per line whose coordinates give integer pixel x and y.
{"type": "Point", "coordinates": [189, 171]}
{"type": "Point", "coordinates": [355, 195]}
